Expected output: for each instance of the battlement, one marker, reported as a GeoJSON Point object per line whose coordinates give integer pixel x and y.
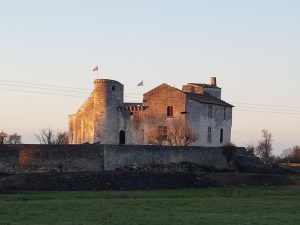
{"type": "Point", "coordinates": [131, 108]}
{"type": "Point", "coordinates": [106, 86]}
{"type": "Point", "coordinates": [105, 81]}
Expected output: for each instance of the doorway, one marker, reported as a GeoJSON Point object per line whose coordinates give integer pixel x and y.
{"type": "Point", "coordinates": [122, 137]}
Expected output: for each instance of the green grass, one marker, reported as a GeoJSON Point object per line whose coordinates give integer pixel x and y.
{"type": "Point", "coordinates": [295, 167]}
{"type": "Point", "coordinates": [264, 205]}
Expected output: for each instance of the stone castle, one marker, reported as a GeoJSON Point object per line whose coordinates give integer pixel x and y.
{"type": "Point", "coordinates": [105, 118]}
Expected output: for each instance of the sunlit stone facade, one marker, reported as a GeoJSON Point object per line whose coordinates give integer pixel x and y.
{"type": "Point", "coordinates": [105, 118]}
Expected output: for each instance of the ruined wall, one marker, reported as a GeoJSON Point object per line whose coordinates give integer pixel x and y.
{"type": "Point", "coordinates": [81, 124]}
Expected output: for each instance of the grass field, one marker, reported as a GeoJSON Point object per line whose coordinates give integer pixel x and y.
{"type": "Point", "coordinates": [260, 205]}
{"type": "Point", "coordinates": [295, 166]}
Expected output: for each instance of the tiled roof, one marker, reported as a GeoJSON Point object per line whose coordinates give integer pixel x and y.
{"type": "Point", "coordinates": [206, 98]}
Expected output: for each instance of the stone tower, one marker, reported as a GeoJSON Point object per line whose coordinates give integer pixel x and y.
{"type": "Point", "coordinates": [108, 97]}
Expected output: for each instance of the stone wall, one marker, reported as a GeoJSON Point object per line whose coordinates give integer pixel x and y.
{"type": "Point", "coordinates": [140, 155]}
{"type": "Point", "coordinates": [45, 158]}
{"type": "Point", "coordinates": [81, 124]}
{"type": "Point", "coordinates": [198, 119]}
{"type": "Point", "coordinates": [72, 158]}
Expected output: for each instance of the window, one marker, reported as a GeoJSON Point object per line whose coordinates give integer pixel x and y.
{"type": "Point", "coordinates": [113, 88]}
{"type": "Point", "coordinates": [163, 132]}
{"type": "Point", "coordinates": [210, 111]}
{"type": "Point", "coordinates": [225, 113]}
{"type": "Point", "coordinates": [192, 89]}
{"type": "Point", "coordinates": [209, 137]}
{"type": "Point", "coordinates": [170, 111]}
{"type": "Point", "coordinates": [221, 136]}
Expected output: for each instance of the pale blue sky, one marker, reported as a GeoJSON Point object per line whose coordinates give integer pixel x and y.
{"type": "Point", "coordinates": [252, 47]}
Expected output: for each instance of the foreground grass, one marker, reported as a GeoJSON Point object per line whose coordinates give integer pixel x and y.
{"type": "Point", "coordinates": [295, 167]}
{"type": "Point", "coordinates": [265, 205]}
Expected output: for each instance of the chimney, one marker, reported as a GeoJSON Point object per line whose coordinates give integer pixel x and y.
{"type": "Point", "coordinates": [213, 81]}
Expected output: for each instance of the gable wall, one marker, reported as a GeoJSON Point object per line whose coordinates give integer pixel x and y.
{"type": "Point", "coordinates": [155, 113]}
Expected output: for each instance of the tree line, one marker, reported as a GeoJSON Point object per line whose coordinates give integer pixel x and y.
{"type": "Point", "coordinates": [46, 136]}
{"type": "Point", "coordinates": [290, 155]}
{"type": "Point", "coordinates": [264, 150]}
{"type": "Point", "coordinates": [10, 139]}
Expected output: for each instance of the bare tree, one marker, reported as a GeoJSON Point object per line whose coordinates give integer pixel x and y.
{"type": "Point", "coordinates": [3, 137]}
{"type": "Point", "coordinates": [181, 134]}
{"type": "Point", "coordinates": [14, 139]}
{"type": "Point", "coordinates": [49, 136]}
{"type": "Point", "coordinates": [155, 136]}
{"type": "Point", "coordinates": [291, 155]}
{"type": "Point", "coordinates": [296, 154]}
{"type": "Point", "coordinates": [46, 136]}
{"type": "Point", "coordinates": [250, 148]}
{"type": "Point", "coordinates": [61, 138]}
{"type": "Point", "coordinates": [287, 155]}
{"type": "Point", "coordinates": [177, 133]}
{"type": "Point", "coordinates": [229, 153]}
{"type": "Point", "coordinates": [264, 147]}
{"type": "Point", "coordinates": [157, 133]}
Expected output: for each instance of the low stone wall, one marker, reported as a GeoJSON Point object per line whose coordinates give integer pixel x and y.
{"type": "Point", "coordinates": [140, 155]}
{"type": "Point", "coordinates": [89, 157]}
{"type": "Point", "coordinates": [47, 158]}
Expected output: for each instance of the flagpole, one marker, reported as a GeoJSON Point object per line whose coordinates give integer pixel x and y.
{"type": "Point", "coordinates": [96, 69]}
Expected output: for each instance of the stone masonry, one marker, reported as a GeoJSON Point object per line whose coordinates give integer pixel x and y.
{"type": "Point", "coordinates": [106, 119]}
{"type": "Point", "coordinates": [98, 158]}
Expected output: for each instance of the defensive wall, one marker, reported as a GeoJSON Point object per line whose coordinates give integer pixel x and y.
{"type": "Point", "coordinates": [95, 157]}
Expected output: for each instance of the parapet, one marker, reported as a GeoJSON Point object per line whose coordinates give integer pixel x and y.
{"type": "Point", "coordinates": [131, 107]}
{"type": "Point", "coordinates": [105, 81]}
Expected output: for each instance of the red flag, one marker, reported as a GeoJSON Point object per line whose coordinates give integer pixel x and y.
{"type": "Point", "coordinates": [95, 68]}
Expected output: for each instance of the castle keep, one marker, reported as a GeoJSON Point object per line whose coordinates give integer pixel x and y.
{"type": "Point", "coordinates": [105, 118]}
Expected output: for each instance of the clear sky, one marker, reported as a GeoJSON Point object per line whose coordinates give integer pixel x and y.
{"type": "Point", "coordinates": [252, 47]}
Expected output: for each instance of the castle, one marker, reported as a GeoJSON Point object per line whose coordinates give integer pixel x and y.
{"type": "Point", "coordinates": [196, 112]}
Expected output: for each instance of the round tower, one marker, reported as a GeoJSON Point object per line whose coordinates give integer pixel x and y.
{"type": "Point", "coordinates": [108, 97]}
